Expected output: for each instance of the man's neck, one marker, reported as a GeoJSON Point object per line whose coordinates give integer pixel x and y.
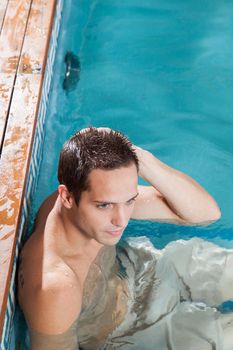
{"type": "Point", "coordinates": [69, 240]}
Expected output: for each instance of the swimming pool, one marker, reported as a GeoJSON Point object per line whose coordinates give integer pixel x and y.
{"type": "Point", "coordinates": [161, 73]}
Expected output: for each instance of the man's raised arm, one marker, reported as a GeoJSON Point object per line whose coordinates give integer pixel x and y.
{"type": "Point", "coordinates": [173, 195]}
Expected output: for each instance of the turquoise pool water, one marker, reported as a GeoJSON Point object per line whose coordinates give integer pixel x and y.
{"type": "Point", "coordinates": [161, 72]}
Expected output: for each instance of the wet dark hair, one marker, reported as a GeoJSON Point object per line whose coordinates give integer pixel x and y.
{"type": "Point", "coordinates": [92, 149]}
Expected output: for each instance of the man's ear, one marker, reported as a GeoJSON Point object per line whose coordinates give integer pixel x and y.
{"type": "Point", "coordinates": [66, 197]}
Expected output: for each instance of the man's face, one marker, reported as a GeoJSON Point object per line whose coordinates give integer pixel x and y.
{"type": "Point", "coordinates": [105, 209]}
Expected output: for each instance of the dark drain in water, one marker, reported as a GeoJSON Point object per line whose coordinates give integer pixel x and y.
{"type": "Point", "coordinates": [72, 74]}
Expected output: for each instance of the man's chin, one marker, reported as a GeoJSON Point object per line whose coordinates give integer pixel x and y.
{"type": "Point", "coordinates": [111, 240]}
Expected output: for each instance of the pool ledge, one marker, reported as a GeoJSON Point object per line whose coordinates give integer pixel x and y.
{"type": "Point", "coordinates": [24, 39]}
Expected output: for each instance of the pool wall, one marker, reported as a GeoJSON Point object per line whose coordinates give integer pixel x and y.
{"type": "Point", "coordinates": [28, 105]}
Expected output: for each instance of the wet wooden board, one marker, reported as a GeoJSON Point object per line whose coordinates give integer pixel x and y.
{"type": "Point", "coordinates": [19, 133]}
{"type": "Point", "coordinates": [35, 46]}
{"type": "Point", "coordinates": [11, 41]}
{"type": "Point", "coordinates": [13, 171]}
{"type": "Point", "coordinates": [6, 88]}
{"type": "Point", "coordinates": [3, 8]}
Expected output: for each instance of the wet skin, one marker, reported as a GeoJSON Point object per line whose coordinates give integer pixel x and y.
{"type": "Point", "coordinates": [68, 237]}
{"type": "Point", "coordinates": [66, 241]}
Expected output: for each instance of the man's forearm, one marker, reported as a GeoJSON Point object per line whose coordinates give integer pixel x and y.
{"type": "Point", "coordinates": [182, 194]}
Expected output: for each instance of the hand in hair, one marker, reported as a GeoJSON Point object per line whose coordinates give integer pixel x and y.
{"type": "Point", "coordinates": [139, 153]}
{"type": "Point", "coordinates": [172, 194]}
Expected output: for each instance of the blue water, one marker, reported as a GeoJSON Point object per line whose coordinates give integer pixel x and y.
{"type": "Point", "coordinates": [162, 73]}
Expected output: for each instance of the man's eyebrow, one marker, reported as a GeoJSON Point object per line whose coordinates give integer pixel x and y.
{"type": "Point", "coordinates": [107, 202]}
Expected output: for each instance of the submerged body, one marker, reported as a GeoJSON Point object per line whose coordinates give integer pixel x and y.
{"type": "Point", "coordinates": [139, 297]}
{"type": "Point", "coordinates": [69, 275]}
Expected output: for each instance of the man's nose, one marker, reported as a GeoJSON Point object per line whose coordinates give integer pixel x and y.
{"type": "Point", "coordinates": [119, 217]}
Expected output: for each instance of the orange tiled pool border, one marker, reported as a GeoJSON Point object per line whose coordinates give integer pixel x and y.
{"type": "Point", "coordinates": [24, 40]}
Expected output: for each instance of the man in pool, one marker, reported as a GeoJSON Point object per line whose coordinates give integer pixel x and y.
{"type": "Point", "coordinates": [75, 293]}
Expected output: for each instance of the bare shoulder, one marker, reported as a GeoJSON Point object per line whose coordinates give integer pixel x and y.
{"type": "Point", "coordinates": [51, 299]}
{"type": "Point", "coordinates": [44, 210]}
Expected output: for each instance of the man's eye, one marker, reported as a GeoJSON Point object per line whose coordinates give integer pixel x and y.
{"type": "Point", "coordinates": [103, 205]}
{"type": "Point", "coordinates": [131, 201]}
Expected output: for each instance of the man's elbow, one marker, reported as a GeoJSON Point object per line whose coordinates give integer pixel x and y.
{"type": "Point", "coordinates": [211, 215]}
{"type": "Point", "coordinates": [204, 217]}
{"type": "Point", "coordinates": [213, 211]}
{"type": "Point", "coordinates": [217, 215]}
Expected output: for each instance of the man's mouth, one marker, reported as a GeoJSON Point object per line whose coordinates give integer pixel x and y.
{"type": "Point", "coordinates": [116, 232]}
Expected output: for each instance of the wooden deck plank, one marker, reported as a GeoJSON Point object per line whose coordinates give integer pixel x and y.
{"type": "Point", "coordinates": [11, 42]}
{"type": "Point", "coordinates": [12, 35]}
{"type": "Point", "coordinates": [35, 45]}
{"type": "Point", "coordinates": [19, 134]}
{"type": "Point", "coordinates": [6, 87]}
{"type": "Point", "coordinates": [3, 8]}
{"type": "Point", "coordinates": [14, 163]}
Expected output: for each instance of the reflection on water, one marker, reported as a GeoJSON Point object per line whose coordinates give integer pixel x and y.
{"type": "Point", "coordinates": [152, 299]}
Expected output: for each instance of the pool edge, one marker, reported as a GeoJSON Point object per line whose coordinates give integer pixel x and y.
{"type": "Point", "coordinates": [32, 73]}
